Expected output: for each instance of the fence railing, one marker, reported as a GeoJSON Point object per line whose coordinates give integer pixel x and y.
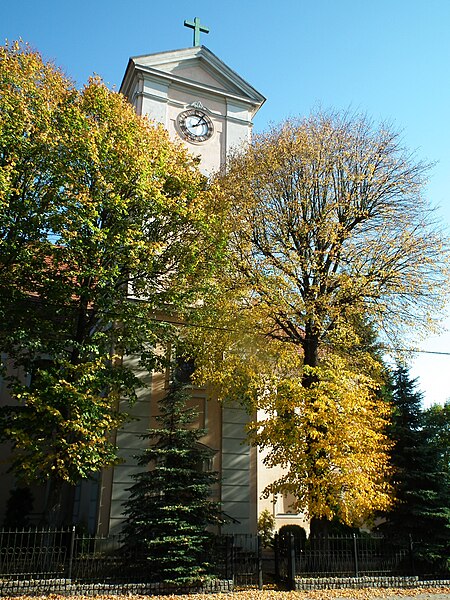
{"type": "Point", "coordinates": [243, 559]}
{"type": "Point", "coordinates": [37, 554]}
{"type": "Point", "coordinates": [67, 555]}
{"type": "Point", "coordinates": [343, 556]}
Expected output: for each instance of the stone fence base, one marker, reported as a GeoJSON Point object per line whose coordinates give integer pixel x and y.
{"type": "Point", "coordinates": [332, 583]}
{"type": "Point", "coordinates": [37, 587]}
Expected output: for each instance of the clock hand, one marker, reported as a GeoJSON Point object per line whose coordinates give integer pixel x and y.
{"type": "Point", "coordinates": [200, 122]}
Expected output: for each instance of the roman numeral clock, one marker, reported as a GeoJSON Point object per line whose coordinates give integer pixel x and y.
{"type": "Point", "coordinates": [195, 125]}
{"type": "Point", "coordinates": [196, 96]}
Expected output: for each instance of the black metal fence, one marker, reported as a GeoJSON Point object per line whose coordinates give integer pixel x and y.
{"type": "Point", "coordinates": [342, 556]}
{"type": "Point", "coordinates": [33, 554]}
{"type": "Point", "coordinates": [243, 559]}
{"type": "Point", "coordinates": [69, 555]}
{"type": "Point", "coordinates": [55, 554]}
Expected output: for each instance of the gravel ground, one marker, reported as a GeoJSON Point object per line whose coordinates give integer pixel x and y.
{"type": "Point", "coordinates": [363, 594]}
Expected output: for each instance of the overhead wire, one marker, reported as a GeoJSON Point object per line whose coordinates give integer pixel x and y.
{"type": "Point", "coordinates": [155, 319]}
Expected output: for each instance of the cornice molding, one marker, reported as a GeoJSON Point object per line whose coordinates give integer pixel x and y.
{"type": "Point", "coordinates": [209, 61]}
{"type": "Point", "coordinates": [183, 105]}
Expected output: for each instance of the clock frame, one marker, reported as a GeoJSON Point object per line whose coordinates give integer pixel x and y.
{"type": "Point", "coordinates": [195, 125]}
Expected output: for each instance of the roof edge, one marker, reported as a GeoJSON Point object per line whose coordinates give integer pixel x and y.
{"type": "Point", "coordinates": [201, 52]}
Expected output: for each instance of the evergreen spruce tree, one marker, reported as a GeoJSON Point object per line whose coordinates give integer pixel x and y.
{"type": "Point", "coordinates": [169, 508]}
{"type": "Point", "coordinates": [421, 486]}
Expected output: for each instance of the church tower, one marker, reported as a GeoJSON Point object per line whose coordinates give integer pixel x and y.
{"type": "Point", "coordinates": [197, 98]}
{"type": "Point", "coordinates": [210, 108]}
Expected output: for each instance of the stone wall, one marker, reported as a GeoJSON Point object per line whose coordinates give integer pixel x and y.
{"type": "Point", "coordinates": [332, 583]}
{"type": "Point", "coordinates": [36, 587]}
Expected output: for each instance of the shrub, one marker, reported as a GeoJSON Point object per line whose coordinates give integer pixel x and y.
{"type": "Point", "coordinates": [266, 526]}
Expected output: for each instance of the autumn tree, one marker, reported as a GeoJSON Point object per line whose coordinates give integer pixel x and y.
{"type": "Point", "coordinates": [104, 223]}
{"type": "Point", "coordinates": [329, 229]}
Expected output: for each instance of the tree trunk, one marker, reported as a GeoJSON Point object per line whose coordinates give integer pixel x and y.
{"type": "Point", "coordinates": [310, 346]}
{"type": "Point", "coordinates": [319, 525]}
{"type": "Point", "coordinates": [58, 509]}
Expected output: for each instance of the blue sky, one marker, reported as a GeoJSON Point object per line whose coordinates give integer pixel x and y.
{"type": "Point", "coordinates": [389, 59]}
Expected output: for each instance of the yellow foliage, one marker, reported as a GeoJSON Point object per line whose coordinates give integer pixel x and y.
{"type": "Point", "coordinates": [329, 219]}
{"type": "Point", "coordinates": [330, 439]}
{"type": "Point", "coordinates": [331, 244]}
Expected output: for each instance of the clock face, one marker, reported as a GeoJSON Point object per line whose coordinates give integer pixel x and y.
{"type": "Point", "coordinates": [195, 125]}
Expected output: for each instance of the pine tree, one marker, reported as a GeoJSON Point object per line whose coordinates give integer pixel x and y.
{"type": "Point", "coordinates": [422, 487]}
{"type": "Point", "coordinates": [169, 508]}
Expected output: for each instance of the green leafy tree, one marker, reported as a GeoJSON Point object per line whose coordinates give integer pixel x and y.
{"type": "Point", "coordinates": [266, 527]}
{"type": "Point", "coordinates": [437, 427]}
{"type": "Point", "coordinates": [436, 424]}
{"type": "Point", "coordinates": [421, 481]}
{"type": "Point", "coordinates": [170, 508]}
{"type": "Point", "coordinates": [104, 224]}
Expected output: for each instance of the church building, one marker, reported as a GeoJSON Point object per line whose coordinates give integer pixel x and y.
{"type": "Point", "coordinates": [210, 108]}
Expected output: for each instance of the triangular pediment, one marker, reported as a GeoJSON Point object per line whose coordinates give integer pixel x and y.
{"type": "Point", "coordinates": [191, 67]}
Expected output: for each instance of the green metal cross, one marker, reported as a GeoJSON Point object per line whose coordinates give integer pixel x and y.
{"type": "Point", "coordinates": [197, 29]}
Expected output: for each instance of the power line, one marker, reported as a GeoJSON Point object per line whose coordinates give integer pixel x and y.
{"type": "Point", "coordinates": [416, 351]}
{"type": "Point", "coordinates": [112, 314]}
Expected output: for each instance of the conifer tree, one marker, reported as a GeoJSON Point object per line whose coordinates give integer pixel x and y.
{"type": "Point", "coordinates": [421, 484]}
{"type": "Point", "coordinates": [437, 424]}
{"type": "Point", "coordinates": [169, 508]}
